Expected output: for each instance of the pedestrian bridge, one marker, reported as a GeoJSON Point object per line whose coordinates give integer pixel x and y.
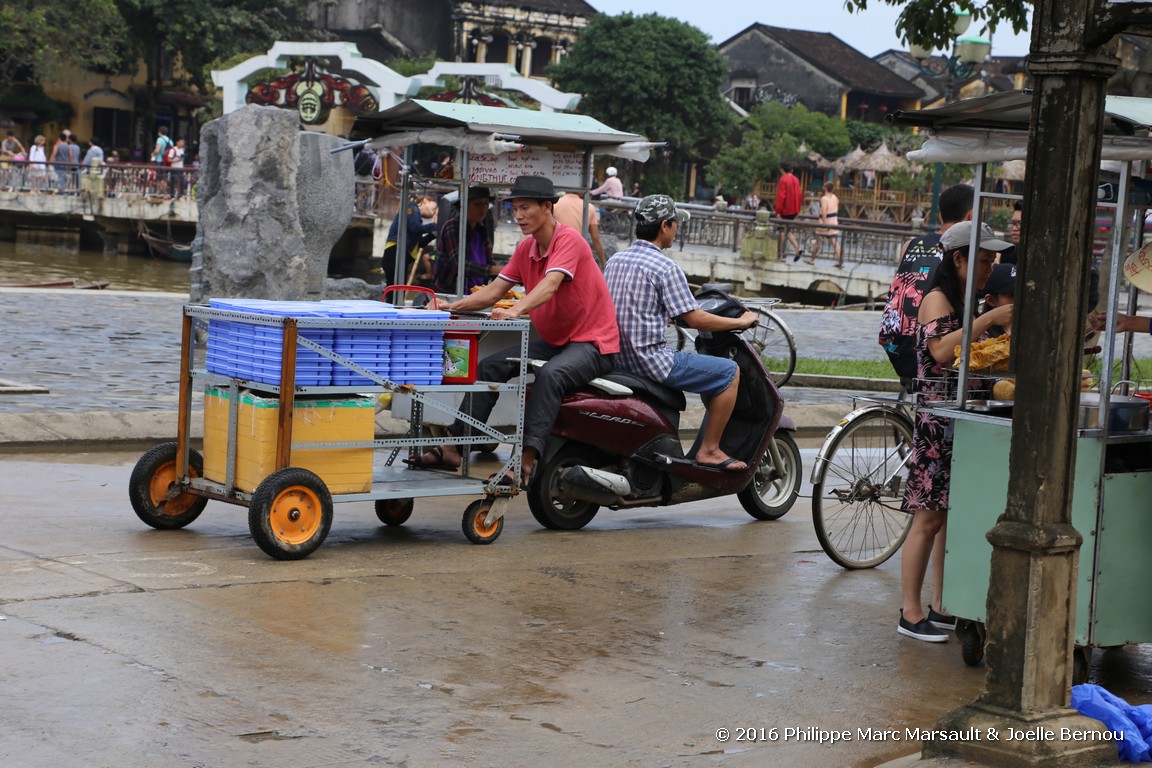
{"type": "Point", "coordinates": [117, 200]}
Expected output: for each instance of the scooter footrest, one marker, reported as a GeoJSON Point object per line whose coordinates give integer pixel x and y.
{"type": "Point", "coordinates": [663, 458]}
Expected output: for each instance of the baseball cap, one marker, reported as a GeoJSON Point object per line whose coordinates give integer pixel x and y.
{"type": "Point", "coordinates": [656, 208]}
{"type": "Point", "coordinates": [1002, 279]}
{"type": "Point", "coordinates": [959, 235]}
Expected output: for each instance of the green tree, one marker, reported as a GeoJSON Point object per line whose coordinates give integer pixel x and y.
{"type": "Point", "coordinates": [203, 32]}
{"type": "Point", "coordinates": [738, 168]}
{"type": "Point", "coordinates": [651, 75]}
{"type": "Point", "coordinates": [38, 37]}
{"type": "Point", "coordinates": [817, 131]}
{"type": "Point", "coordinates": [774, 133]}
{"type": "Point", "coordinates": [929, 22]}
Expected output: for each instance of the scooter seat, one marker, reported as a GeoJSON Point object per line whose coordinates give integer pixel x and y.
{"type": "Point", "coordinates": [666, 396]}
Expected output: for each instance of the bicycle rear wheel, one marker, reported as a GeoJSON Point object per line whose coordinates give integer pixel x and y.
{"type": "Point", "coordinates": [856, 505]}
{"type": "Point", "coordinates": [774, 344]}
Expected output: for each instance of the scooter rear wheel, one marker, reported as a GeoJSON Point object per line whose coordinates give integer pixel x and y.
{"type": "Point", "coordinates": [773, 490]}
{"type": "Point", "coordinates": [550, 508]}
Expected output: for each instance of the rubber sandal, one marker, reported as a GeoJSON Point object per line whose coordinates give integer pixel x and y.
{"type": "Point", "coordinates": [436, 451]}
{"type": "Point", "coordinates": [726, 465]}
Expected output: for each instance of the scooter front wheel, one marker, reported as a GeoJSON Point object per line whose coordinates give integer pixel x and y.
{"type": "Point", "coordinates": [774, 488]}
{"type": "Point", "coordinates": [550, 508]}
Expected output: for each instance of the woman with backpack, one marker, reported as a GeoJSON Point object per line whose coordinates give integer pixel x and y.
{"type": "Point", "coordinates": [174, 162]}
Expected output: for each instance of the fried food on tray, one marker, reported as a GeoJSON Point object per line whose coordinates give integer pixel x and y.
{"type": "Point", "coordinates": [505, 304]}
{"type": "Point", "coordinates": [1005, 389]}
{"type": "Point", "coordinates": [988, 355]}
{"type": "Point", "coordinates": [509, 296]}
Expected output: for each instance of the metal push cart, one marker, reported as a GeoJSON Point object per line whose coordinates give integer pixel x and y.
{"type": "Point", "coordinates": [1113, 469]}
{"type": "Point", "coordinates": [290, 510]}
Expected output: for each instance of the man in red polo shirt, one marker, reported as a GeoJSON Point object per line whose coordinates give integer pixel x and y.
{"type": "Point", "coordinates": [570, 308]}
{"type": "Point", "coordinates": [789, 198]}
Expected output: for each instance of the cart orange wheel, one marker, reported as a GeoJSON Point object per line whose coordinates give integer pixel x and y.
{"type": "Point", "coordinates": [290, 514]}
{"type": "Point", "coordinates": [474, 526]}
{"type": "Point", "coordinates": [394, 511]}
{"type": "Point", "coordinates": [157, 494]}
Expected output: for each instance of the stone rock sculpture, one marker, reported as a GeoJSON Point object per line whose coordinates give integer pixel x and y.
{"type": "Point", "coordinates": [272, 202]}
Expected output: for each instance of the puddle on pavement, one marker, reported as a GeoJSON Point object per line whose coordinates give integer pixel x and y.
{"type": "Point", "coordinates": [259, 736]}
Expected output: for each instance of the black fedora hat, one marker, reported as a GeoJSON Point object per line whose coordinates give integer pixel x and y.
{"type": "Point", "coordinates": [533, 188]}
{"type": "Point", "coordinates": [475, 193]}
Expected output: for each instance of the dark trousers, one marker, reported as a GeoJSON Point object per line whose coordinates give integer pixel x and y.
{"type": "Point", "coordinates": [569, 367]}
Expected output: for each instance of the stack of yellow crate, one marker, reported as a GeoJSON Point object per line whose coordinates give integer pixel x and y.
{"type": "Point", "coordinates": [343, 470]}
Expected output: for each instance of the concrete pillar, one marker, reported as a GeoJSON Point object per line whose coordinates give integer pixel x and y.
{"type": "Point", "coordinates": [1032, 601]}
{"type": "Point", "coordinates": [526, 61]}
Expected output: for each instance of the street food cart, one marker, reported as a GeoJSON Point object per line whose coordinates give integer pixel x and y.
{"type": "Point", "coordinates": [1113, 469]}
{"type": "Point", "coordinates": [494, 146]}
{"type": "Point", "coordinates": [289, 419]}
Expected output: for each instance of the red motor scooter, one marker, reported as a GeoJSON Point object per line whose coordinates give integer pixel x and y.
{"type": "Point", "coordinates": [616, 443]}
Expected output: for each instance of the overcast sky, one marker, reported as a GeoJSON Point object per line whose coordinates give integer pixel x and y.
{"type": "Point", "coordinates": [870, 33]}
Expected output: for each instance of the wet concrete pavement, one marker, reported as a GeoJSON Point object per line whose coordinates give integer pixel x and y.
{"type": "Point", "coordinates": [629, 643]}
{"type": "Point", "coordinates": [626, 644]}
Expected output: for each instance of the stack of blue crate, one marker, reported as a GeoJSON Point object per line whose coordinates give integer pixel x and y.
{"type": "Point", "coordinates": [370, 348]}
{"type": "Point", "coordinates": [418, 351]}
{"type": "Point", "coordinates": [253, 352]}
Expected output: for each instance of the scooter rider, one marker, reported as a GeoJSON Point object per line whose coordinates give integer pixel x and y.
{"type": "Point", "coordinates": [570, 309]}
{"type": "Point", "coordinates": [649, 289]}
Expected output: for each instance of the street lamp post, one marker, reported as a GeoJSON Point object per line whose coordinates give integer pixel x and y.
{"type": "Point", "coordinates": [967, 53]}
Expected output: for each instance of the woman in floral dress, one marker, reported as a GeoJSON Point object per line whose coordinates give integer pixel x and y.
{"type": "Point", "coordinates": [940, 331]}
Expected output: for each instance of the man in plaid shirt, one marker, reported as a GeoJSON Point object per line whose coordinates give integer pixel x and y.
{"type": "Point", "coordinates": [649, 290]}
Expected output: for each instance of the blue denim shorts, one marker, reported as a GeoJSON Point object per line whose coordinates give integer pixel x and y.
{"type": "Point", "coordinates": [703, 374]}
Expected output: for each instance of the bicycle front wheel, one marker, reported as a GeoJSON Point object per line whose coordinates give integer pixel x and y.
{"type": "Point", "coordinates": [856, 505]}
{"type": "Point", "coordinates": [775, 346]}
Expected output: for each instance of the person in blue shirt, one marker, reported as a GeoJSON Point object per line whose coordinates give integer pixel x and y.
{"type": "Point", "coordinates": [419, 235]}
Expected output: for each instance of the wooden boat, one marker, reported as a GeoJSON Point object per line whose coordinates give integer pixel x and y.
{"type": "Point", "coordinates": [162, 248]}
{"type": "Point", "coordinates": [64, 282]}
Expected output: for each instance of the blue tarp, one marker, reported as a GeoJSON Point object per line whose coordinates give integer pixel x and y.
{"type": "Point", "coordinates": [1118, 716]}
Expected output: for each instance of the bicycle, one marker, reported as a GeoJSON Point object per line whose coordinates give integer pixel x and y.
{"type": "Point", "coordinates": [771, 338]}
{"type": "Point", "coordinates": [858, 483]}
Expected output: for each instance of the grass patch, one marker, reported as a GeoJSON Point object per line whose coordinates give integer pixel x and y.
{"type": "Point", "coordinates": [859, 369]}
{"type": "Point", "coordinates": [882, 369]}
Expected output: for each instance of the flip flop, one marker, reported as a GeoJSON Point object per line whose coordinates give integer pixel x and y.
{"type": "Point", "coordinates": [725, 466]}
{"type": "Point", "coordinates": [809, 261]}
{"type": "Point", "coordinates": [436, 451]}
{"type": "Point", "coordinates": [507, 479]}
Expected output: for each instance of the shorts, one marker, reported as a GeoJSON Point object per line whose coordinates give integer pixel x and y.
{"type": "Point", "coordinates": [702, 374]}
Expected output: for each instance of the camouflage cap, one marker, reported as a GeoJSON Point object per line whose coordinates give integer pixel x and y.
{"type": "Point", "coordinates": [656, 208]}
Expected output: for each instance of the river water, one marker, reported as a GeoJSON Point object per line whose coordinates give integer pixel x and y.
{"type": "Point", "coordinates": [29, 262]}
{"type": "Point", "coordinates": [25, 262]}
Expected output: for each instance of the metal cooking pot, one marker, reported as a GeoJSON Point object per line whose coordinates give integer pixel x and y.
{"type": "Point", "coordinates": [1125, 414]}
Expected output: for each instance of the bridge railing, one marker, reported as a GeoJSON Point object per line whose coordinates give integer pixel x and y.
{"type": "Point", "coordinates": [861, 241]}
{"type": "Point", "coordinates": [109, 179]}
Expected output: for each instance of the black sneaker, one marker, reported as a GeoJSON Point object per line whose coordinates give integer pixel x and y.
{"type": "Point", "coordinates": [921, 630]}
{"type": "Point", "coordinates": [940, 621]}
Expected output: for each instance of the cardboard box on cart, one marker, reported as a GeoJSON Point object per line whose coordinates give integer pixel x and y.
{"type": "Point", "coordinates": [343, 470]}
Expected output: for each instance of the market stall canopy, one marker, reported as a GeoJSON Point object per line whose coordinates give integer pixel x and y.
{"type": "Point", "coordinates": [494, 130]}
{"type": "Point", "coordinates": [995, 129]}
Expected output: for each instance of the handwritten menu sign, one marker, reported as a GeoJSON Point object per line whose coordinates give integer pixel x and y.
{"type": "Point", "coordinates": [564, 168]}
